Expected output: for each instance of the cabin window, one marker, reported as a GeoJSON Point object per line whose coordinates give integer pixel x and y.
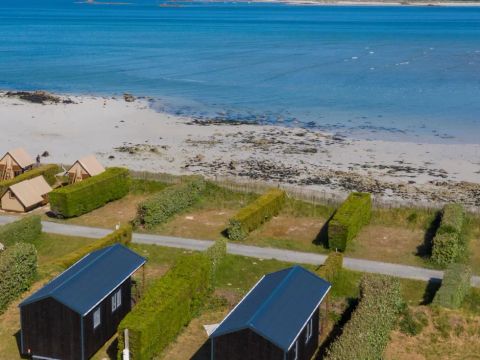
{"type": "Point", "coordinates": [295, 351]}
{"type": "Point", "coordinates": [116, 300]}
{"type": "Point", "coordinates": [309, 330]}
{"type": "Point", "coordinates": [96, 318]}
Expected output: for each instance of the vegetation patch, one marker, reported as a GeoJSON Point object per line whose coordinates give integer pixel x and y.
{"type": "Point", "coordinates": [27, 229]}
{"type": "Point", "coordinates": [351, 216]}
{"type": "Point", "coordinates": [89, 194]}
{"type": "Point", "coordinates": [330, 270]}
{"type": "Point", "coordinates": [255, 214]}
{"type": "Point", "coordinates": [455, 286]}
{"type": "Point", "coordinates": [48, 171]}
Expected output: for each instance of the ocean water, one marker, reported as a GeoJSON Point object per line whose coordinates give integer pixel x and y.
{"type": "Point", "coordinates": [401, 73]}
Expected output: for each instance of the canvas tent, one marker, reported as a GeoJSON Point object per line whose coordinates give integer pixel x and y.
{"type": "Point", "coordinates": [14, 163]}
{"type": "Point", "coordinates": [26, 195]}
{"type": "Point", "coordinates": [84, 168]}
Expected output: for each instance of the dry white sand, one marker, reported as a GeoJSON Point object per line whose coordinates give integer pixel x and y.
{"type": "Point", "coordinates": [160, 142]}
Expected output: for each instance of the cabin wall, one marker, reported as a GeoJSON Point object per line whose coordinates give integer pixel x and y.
{"type": "Point", "coordinates": [77, 173]}
{"type": "Point", "coordinates": [7, 162]}
{"type": "Point", "coordinates": [109, 321]}
{"type": "Point", "coordinates": [50, 329]}
{"type": "Point", "coordinates": [9, 202]}
{"type": "Point", "coordinates": [245, 345]}
{"type": "Point", "coordinates": [306, 349]}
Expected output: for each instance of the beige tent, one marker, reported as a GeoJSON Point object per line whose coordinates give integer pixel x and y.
{"type": "Point", "coordinates": [26, 195]}
{"type": "Point", "coordinates": [84, 168]}
{"type": "Point", "coordinates": [14, 163]}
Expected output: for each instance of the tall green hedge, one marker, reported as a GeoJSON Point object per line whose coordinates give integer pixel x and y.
{"type": "Point", "coordinates": [351, 216]}
{"type": "Point", "coordinates": [455, 286]}
{"type": "Point", "coordinates": [48, 171]}
{"type": "Point", "coordinates": [18, 268]}
{"type": "Point", "coordinates": [161, 206]}
{"type": "Point", "coordinates": [255, 214]}
{"type": "Point", "coordinates": [367, 333]}
{"type": "Point", "coordinates": [168, 305]}
{"type": "Point", "coordinates": [90, 194]}
{"type": "Point", "coordinates": [123, 236]}
{"type": "Point", "coordinates": [27, 229]}
{"type": "Point", "coordinates": [449, 242]}
{"type": "Point", "coordinates": [331, 267]}
{"type": "Point", "coordinates": [217, 253]}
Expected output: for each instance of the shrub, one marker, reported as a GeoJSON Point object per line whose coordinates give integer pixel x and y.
{"type": "Point", "coordinates": [367, 333]}
{"type": "Point", "coordinates": [160, 207]}
{"type": "Point", "coordinates": [255, 214]}
{"type": "Point", "coordinates": [123, 236]}
{"type": "Point", "coordinates": [18, 268]}
{"type": "Point", "coordinates": [168, 305]}
{"type": "Point", "coordinates": [446, 248]}
{"type": "Point", "coordinates": [412, 323]}
{"type": "Point", "coordinates": [27, 229]}
{"type": "Point", "coordinates": [216, 253]}
{"type": "Point", "coordinates": [353, 214]}
{"type": "Point", "coordinates": [331, 267]}
{"type": "Point", "coordinates": [453, 217]}
{"type": "Point", "coordinates": [48, 171]}
{"type": "Point", "coordinates": [90, 194]}
{"type": "Point", "coordinates": [455, 286]}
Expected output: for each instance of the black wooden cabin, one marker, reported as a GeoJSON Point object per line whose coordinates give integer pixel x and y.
{"type": "Point", "coordinates": [72, 316]}
{"type": "Point", "coordinates": [279, 319]}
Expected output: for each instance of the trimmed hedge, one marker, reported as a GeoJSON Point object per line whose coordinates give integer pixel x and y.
{"type": "Point", "coordinates": [367, 333]}
{"type": "Point", "coordinates": [351, 216]}
{"type": "Point", "coordinates": [255, 214]}
{"type": "Point", "coordinates": [168, 305]}
{"type": "Point", "coordinates": [160, 207]}
{"type": "Point", "coordinates": [123, 236]}
{"type": "Point", "coordinates": [18, 268]}
{"type": "Point", "coordinates": [453, 218]}
{"type": "Point", "coordinates": [331, 267]}
{"type": "Point", "coordinates": [90, 194]}
{"type": "Point", "coordinates": [48, 171]}
{"type": "Point", "coordinates": [446, 248]}
{"type": "Point", "coordinates": [455, 286]}
{"type": "Point", "coordinates": [216, 253]}
{"type": "Point", "coordinates": [27, 229]}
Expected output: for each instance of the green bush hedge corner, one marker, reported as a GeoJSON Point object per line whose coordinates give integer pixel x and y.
{"type": "Point", "coordinates": [331, 267]}
{"type": "Point", "coordinates": [18, 268]}
{"type": "Point", "coordinates": [82, 197]}
{"type": "Point", "coordinates": [168, 305]}
{"type": "Point", "coordinates": [163, 205]}
{"type": "Point", "coordinates": [367, 334]}
{"type": "Point", "coordinates": [351, 216]}
{"type": "Point", "coordinates": [255, 214]}
{"type": "Point", "coordinates": [446, 248]}
{"type": "Point", "coordinates": [123, 236]}
{"type": "Point", "coordinates": [27, 229]}
{"type": "Point", "coordinates": [455, 286]}
{"type": "Point", "coordinates": [48, 171]}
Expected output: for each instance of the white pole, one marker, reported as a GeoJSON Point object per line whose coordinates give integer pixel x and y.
{"type": "Point", "coordinates": [126, 350]}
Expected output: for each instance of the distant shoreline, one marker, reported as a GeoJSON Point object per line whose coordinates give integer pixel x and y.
{"type": "Point", "coordinates": [375, 3]}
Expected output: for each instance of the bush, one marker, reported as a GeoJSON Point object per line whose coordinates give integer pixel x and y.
{"type": "Point", "coordinates": [367, 333]}
{"type": "Point", "coordinates": [353, 214]}
{"type": "Point", "coordinates": [123, 236]}
{"type": "Point", "coordinates": [48, 171]}
{"type": "Point", "coordinates": [216, 253]}
{"type": "Point", "coordinates": [160, 207]}
{"type": "Point", "coordinates": [27, 229]}
{"type": "Point", "coordinates": [412, 323]}
{"type": "Point", "coordinates": [168, 305]}
{"type": "Point", "coordinates": [455, 286]}
{"type": "Point", "coordinates": [90, 194]}
{"type": "Point", "coordinates": [255, 214]}
{"type": "Point", "coordinates": [18, 268]}
{"type": "Point", "coordinates": [453, 217]}
{"type": "Point", "coordinates": [331, 267]}
{"type": "Point", "coordinates": [446, 248]}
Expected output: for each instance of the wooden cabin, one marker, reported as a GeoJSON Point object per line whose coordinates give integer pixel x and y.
{"type": "Point", "coordinates": [77, 312]}
{"type": "Point", "coordinates": [14, 163]}
{"type": "Point", "coordinates": [26, 195]}
{"type": "Point", "coordinates": [83, 169]}
{"type": "Point", "coordinates": [279, 319]}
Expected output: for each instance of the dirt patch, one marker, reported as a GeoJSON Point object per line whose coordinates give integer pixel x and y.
{"type": "Point", "coordinates": [300, 229]}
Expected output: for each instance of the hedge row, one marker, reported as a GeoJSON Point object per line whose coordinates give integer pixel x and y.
{"type": "Point", "coordinates": [448, 243]}
{"type": "Point", "coordinates": [216, 253]}
{"type": "Point", "coordinates": [351, 216]}
{"type": "Point", "coordinates": [331, 267]}
{"type": "Point", "coordinates": [90, 194]}
{"type": "Point", "coordinates": [367, 333]}
{"type": "Point", "coordinates": [168, 305]}
{"type": "Point", "coordinates": [48, 171]}
{"type": "Point", "coordinates": [27, 229]}
{"type": "Point", "coordinates": [18, 268]}
{"type": "Point", "coordinates": [123, 236]}
{"type": "Point", "coordinates": [160, 207]}
{"type": "Point", "coordinates": [255, 214]}
{"type": "Point", "coordinates": [455, 286]}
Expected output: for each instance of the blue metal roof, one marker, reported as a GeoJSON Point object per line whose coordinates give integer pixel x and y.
{"type": "Point", "coordinates": [278, 307]}
{"type": "Point", "coordinates": [86, 283]}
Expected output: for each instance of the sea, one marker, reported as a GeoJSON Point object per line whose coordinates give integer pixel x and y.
{"type": "Point", "coordinates": [396, 73]}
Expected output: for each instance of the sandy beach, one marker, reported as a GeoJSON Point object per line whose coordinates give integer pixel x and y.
{"type": "Point", "coordinates": [131, 134]}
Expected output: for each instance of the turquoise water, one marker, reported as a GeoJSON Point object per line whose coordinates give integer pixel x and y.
{"type": "Point", "coordinates": [371, 72]}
